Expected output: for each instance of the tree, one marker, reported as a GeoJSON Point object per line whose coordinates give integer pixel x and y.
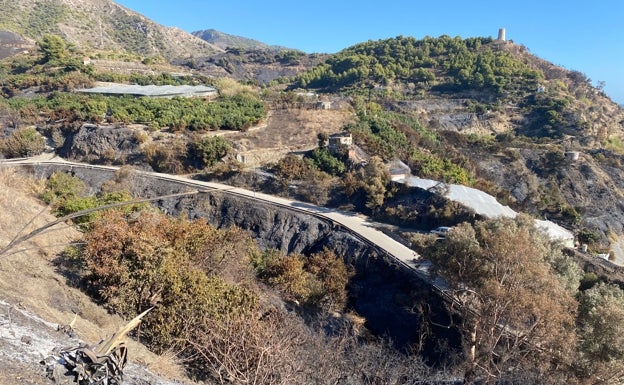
{"type": "Point", "coordinates": [323, 139]}
{"type": "Point", "coordinates": [333, 275]}
{"type": "Point", "coordinates": [517, 316]}
{"type": "Point", "coordinates": [376, 178]}
{"type": "Point", "coordinates": [292, 167]}
{"type": "Point", "coordinates": [319, 279]}
{"type": "Point", "coordinates": [328, 162]}
{"type": "Point", "coordinates": [53, 48]}
{"type": "Point", "coordinates": [601, 326]}
{"type": "Point", "coordinates": [210, 149]}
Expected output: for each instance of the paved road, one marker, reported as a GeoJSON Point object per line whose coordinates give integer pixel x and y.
{"type": "Point", "coordinates": [356, 223]}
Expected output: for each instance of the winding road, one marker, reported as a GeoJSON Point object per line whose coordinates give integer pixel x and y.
{"type": "Point", "coordinates": [359, 225]}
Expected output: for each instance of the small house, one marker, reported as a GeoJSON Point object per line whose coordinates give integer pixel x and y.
{"type": "Point", "coordinates": [323, 105]}
{"type": "Point", "coordinates": [338, 140]}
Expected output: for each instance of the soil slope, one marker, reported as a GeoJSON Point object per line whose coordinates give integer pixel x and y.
{"type": "Point", "coordinates": [35, 298]}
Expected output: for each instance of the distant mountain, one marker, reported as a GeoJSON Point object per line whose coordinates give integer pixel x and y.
{"type": "Point", "coordinates": [224, 41]}
{"type": "Point", "coordinates": [100, 25]}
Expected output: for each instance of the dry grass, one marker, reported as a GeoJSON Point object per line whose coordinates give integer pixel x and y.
{"type": "Point", "coordinates": [230, 87]}
{"type": "Point", "coordinates": [11, 178]}
{"type": "Point", "coordinates": [29, 279]}
{"type": "Point", "coordinates": [287, 131]}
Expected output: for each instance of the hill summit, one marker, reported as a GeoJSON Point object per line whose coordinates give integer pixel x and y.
{"type": "Point", "coordinates": [100, 25]}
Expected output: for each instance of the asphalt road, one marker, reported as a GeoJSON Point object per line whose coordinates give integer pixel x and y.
{"type": "Point", "coordinates": [355, 223]}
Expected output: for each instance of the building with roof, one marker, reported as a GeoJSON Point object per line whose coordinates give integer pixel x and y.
{"type": "Point", "coordinates": [398, 170]}
{"type": "Point", "coordinates": [340, 139]}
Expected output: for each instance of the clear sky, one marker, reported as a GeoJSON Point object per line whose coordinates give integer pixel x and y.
{"type": "Point", "coordinates": [581, 35]}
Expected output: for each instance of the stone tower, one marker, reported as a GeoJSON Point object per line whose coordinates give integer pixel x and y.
{"type": "Point", "coordinates": [501, 34]}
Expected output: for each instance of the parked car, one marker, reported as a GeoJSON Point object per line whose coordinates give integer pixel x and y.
{"type": "Point", "coordinates": [440, 231]}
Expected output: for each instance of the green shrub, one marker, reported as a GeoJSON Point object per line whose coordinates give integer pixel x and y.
{"type": "Point", "coordinates": [207, 151]}
{"type": "Point", "coordinates": [158, 260]}
{"type": "Point", "coordinates": [23, 143]}
{"type": "Point", "coordinates": [328, 162]}
{"type": "Point", "coordinates": [318, 280]}
{"type": "Point", "coordinates": [238, 112]}
{"type": "Point", "coordinates": [61, 186]}
{"type": "Point", "coordinates": [432, 166]}
{"type": "Point", "coordinates": [67, 194]}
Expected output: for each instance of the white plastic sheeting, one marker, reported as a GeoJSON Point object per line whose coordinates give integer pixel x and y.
{"type": "Point", "coordinates": [486, 205]}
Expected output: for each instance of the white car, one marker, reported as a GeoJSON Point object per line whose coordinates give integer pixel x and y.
{"type": "Point", "coordinates": [440, 231]}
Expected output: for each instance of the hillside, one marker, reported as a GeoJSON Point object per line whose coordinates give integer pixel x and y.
{"type": "Point", "coordinates": [503, 118]}
{"type": "Point", "coordinates": [259, 66]}
{"type": "Point", "coordinates": [479, 77]}
{"type": "Point", "coordinates": [100, 25]}
{"type": "Point", "coordinates": [478, 112]}
{"type": "Point", "coordinates": [510, 120]}
{"type": "Point", "coordinates": [250, 60]}
{"type": "Point", "coordinates": [36, 298]}
{"type": "Point", "coordinates": [474, 111]}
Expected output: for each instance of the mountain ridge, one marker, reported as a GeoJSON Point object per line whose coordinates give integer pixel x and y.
{"type": "Point", "coordinates": [225, 41]}
{"type": "Point", "coordinates": [100, 25]}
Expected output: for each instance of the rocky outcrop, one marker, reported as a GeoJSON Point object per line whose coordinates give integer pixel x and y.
{"type": "Point", "coordinates": [103, 144]}
{"type": "Point", "coordinates": [577, 193]}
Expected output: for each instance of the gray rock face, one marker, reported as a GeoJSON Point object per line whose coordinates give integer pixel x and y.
{"type": "Point", "coordinates": [591, 185]}
{"type": "Point", "coordinates": [103, 144]}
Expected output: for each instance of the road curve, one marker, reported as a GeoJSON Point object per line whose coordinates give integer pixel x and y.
{"type": "Point", "coordinates": [357, 224]}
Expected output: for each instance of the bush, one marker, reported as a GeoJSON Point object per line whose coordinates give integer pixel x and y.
{"type": "Point", "coordinates": [432, 166]}
{"type": "Point", "coordinates": [292, 167]}
{"type": "Point", "coordinates": [209, 150]}
{"type": "Point", "coordinates": [156, 260]}
{"type": "Point", "coordinates": [23, 143]}
{"type": "Point", "coordinates": [169, 157]}
{"type": "Point", "coordinates": [588, 236]}
{"type": "Point", "coordinates": [234, 113]}
{"type": "Point", "coordinates": [326, 161]}
{"type": "Point", "coordinates": [67, 195]}
{"type": "Point", "coordinates": [318, 280]}
{"type": "Point", "coordinates": [61, 186]}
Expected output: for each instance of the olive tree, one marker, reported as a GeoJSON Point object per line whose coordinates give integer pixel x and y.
{"type": "Point", "coordinates": [601, 329]}
{"type": "Point", "coordinates": [517, 315]}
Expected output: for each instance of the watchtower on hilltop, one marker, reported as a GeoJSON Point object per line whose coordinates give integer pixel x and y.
{"type": "Point", "coordinates": [501, 34]}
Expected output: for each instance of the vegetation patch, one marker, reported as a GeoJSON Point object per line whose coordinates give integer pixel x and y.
{"type": "Point", "coordinates": [449, 64]}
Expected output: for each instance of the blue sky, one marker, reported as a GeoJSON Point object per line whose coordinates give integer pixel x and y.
{"type": "Point", "coordinates": [587, 36]}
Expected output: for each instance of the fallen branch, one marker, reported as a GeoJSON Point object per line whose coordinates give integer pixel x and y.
{"type": "Point", "coordinates": [101, 364]}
